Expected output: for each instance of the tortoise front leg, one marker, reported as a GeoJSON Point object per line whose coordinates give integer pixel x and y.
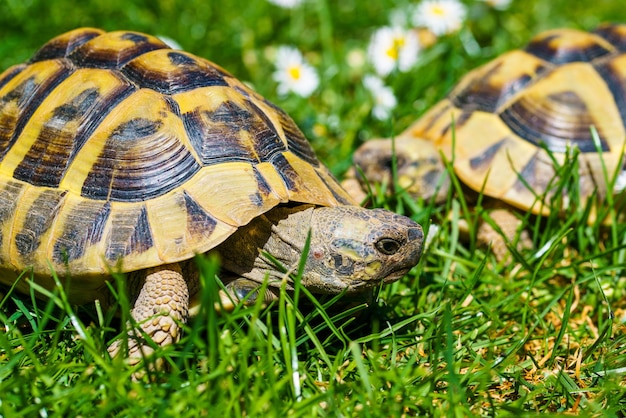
{"type": "Point", "coordinates": [242, 290]}
{"type": "Point", "coordinates": [509, 224]}
{"type": "Point", "coordinates": [160, 308]}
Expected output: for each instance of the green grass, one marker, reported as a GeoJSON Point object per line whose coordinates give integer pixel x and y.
{"type": "Point", "coordinates": [459, 336]}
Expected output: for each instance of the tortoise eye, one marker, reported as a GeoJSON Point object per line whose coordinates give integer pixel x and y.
{"type": "Point", "coordinates": [388, 246]}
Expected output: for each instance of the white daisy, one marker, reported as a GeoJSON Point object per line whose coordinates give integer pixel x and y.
{"type": "Point", "coordinates": [286, 4]}
{"type": "Point", "coordinates": [293, 73]}
{"type": "Point", "coordinates": [440, 16]}
{"type": "Point", "coordinates": [356, 58]}
{"type": "Point", "coordinates": [384, 99]}
{"type": "Point", "coordinates": [391, 48]}
{"type": "Point", "coordinates": [170, 42]}
{"type": "Point", "coordinates": [498, 4]}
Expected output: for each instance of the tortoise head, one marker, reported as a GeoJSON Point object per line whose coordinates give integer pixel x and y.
{"type": "Point", "coordinates": [419, 169]}
{"type": "Point", "coordinates": [353, 248]}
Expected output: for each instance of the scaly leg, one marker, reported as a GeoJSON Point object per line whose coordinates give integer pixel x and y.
{"type": "Point", "coordinates": [161, 306]}
{"type": "Point", "coordinates": [509, 224]}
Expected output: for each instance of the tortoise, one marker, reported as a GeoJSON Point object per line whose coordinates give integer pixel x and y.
{"type": "Point", "coordinates": [503, 126]}
{"type": "Point", "coordinates": [121, 155]}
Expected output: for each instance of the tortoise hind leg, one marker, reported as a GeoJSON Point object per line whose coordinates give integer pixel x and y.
{"type": "Point", "coordinates": [162, 305]}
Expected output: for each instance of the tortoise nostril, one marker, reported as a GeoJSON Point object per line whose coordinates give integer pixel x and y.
{"type": "Point", "coordinates": [415, 234]}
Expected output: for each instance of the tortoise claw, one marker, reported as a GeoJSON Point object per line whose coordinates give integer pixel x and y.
{"type": "Point", "coordinates": [243, 291]}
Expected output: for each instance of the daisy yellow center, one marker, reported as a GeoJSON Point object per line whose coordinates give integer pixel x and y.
{"type": "Point", "coordinates": [394, 51]}
{"type": "Point", "coordinates": [438, 11]}
{"type": "Point", "coordinates": [294, 72]}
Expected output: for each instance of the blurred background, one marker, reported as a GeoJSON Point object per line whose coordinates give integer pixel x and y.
{"type": "Point", "coordinates": [458, 335]}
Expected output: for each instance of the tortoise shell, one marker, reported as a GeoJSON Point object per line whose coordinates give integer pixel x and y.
{"type": "Point", "coordinates": [516, 115]}
{"type": "Point", "coordinates": [117, 151]}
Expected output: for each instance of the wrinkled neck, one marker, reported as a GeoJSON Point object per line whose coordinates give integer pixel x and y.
{"type": "Point", "coordinates": [282, 232]}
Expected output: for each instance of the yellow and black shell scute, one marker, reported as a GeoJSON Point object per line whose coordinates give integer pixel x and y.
{"type": "Point", "coordinates": [518, 113]}
{"type": "Point", "coordinates": [119, 152]}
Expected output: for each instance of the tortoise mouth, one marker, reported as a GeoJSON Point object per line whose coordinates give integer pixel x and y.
{"type": "Point", "coordinates": [396, 275]}
{"type": "Point", "coordinates": [356, 285]}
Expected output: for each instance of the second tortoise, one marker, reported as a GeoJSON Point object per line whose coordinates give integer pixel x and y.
{"type": "Point", "coordinates": [506, 126]}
